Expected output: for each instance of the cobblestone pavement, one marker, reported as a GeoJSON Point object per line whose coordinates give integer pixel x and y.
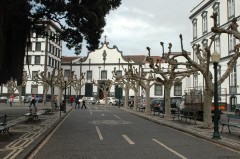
{"type": "Point", "coordinates": [28, 134]}
{"type": "Point", "coordinates": [25, 134]}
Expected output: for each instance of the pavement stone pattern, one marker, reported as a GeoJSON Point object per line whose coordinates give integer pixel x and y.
{"type": "Point", "coordinates": [25, 133]}
{"type": "Point", "coordinates": [28, 134]}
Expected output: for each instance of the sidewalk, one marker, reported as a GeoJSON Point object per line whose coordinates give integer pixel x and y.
{"type": "Point", "coordinates": [26, 135]}
{"type": "Point", "coordinates": [229, 140]}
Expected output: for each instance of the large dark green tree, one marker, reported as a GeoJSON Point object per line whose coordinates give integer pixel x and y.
{"type": "Point", "coordinates": [78, 19]}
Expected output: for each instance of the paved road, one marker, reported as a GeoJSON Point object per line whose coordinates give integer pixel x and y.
{"type": "Point", "coordinates": [108, 132]}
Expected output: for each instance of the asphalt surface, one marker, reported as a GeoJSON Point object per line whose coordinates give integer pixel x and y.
{"type": "Point", "coordinates": [27, 135]}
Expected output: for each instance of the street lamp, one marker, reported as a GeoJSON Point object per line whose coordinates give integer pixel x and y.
{"type": "Point", "coordinates": [65, 96]}
{"type": "Point", "coordinates": [99, 72]}
{"type": "Point", "coordinates": [215, 59]}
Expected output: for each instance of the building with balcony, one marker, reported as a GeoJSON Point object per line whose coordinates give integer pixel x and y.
{"type": "Point", "coordinates": [201, 25]}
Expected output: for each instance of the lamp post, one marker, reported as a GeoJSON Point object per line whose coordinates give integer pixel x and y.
{"type": "Point", "coordinates": [99, 72]}
{"type": "Point", "coordinates": [215, 59]}
{"type": "Point", "coordinates": [65, 95]}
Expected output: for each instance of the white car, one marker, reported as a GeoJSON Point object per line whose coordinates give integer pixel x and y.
{"type": "Point", "coordinates": [110, 101]}
{"type": "Point", "coordinates": [101, 101]}
{"type": "Point", "coordinates": [17, 99]}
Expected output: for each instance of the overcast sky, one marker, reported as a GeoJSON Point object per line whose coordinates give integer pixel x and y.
{"type": "Point", "coordinates": [137, 24]}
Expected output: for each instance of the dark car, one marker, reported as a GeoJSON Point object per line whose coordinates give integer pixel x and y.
{"type": "Point", "coordinates": [27, 99]}
{"type": "Point", "coordinates": [39, 99]}
{"type": "Point", "coordinates": [157, 104]}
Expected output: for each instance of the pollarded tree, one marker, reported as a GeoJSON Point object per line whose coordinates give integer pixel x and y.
{"type": "Point", "coordinates": [47, 82]}
{"type": "Point", "coordinates": [203, 65]}
{"type": "Point", "coordinates": [170, 76]}
{"type": "Point", "coordinates": [140, 78]}
{"type": "Point", "coordinates": [78, 20]}
{"type": "Point", "coordinates": [76, 83]}
{"type": "Point", "coordinates": [105, 87]}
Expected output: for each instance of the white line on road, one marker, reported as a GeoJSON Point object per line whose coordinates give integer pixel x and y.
{"type": "Point", "coordinates": [103, 114]}
{"type": "Point", "coordinates": [169, 149]}
{"type": "Point", "coordinates": [128, 139]}
{"type": "Point", "coordinates": [117, 117]}
{"type": "Point", "coordinates": [99, 133]}
{"type": "Point", "coordinates": [104, 109]}
{"type": "Point", "coordinates": [90, 110]}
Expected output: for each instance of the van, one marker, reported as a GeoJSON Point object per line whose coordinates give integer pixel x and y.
{"type": "Point", "coordinates": [90, 100]}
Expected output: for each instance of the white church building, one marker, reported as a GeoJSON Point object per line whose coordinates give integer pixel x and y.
{"type": "Point", "coordinates": [99, 64]}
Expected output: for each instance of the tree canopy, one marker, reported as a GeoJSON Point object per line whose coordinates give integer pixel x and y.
{"type": "Point", "coordinates": [78, 20]}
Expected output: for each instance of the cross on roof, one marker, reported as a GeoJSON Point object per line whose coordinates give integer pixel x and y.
{"type": "Point", "coordinates": [105, 38]}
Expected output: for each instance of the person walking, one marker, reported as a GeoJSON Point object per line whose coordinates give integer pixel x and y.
{"type": "Point", "coordinates": [71, 99]}
{"type": "Point", "coordinates": [83, 103]}
{"type": "Point", "coordinates": [11, 100]}
{"type": "Point", "coordinates": [33, 102]}
{"type": "Point", "coordinates": [77, 103]}
{"type": "Point", "coordinates": [55, 102]}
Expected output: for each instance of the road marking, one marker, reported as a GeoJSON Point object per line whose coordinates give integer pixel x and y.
{"type": "Point", "coordinates": [128, 139]}
{"type": "Point", "coordinates": [104, 109]}
{"type": "Point", "coordinates": [117, 117]}
{"type": "Point", "coordinates": [103, 114]}
{"type": "Point", "coordinates": [90, 110]}
{"type": "Point", "coordinates": [99, 133]}
{"type": "Point", "coordinates": [169, 149]}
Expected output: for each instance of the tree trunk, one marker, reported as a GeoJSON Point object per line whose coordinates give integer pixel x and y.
{"type": "Point", "coordinates": [46, 87]}
{"type": "Point", "coordinates": [207, 116]}
{"type": "Point", "coordinates": [105, 96]}
{"type": "Point", "coordinates": [147, 98]}
{"type": "Point", "coordinates": [167, 98]}
{"type": "Point", "coordinates": [126, 97]}
{"type": "Point", "coordinates": [135, 100]}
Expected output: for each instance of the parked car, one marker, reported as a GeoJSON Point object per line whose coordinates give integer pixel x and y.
{"type": "Point", "coordinates": [90, 100]}
{"type": "Point", "coordinates": [174, 101]}
{"type": "Point", "coordinates": [141, 103]}
{"type": "Point", "coordinates": [3, 99]}
{"type": "Point", "coordinates": [101, 101]}
{"type": "Point", "coordinates": [27, 99]}
{"type": "Point", "coordinates": [157, 104]}
{"type": "Point", "coordinates": [39, 99]}
{"type": "Point", "coordinates": [17, 99]}
{"type": "Point", "coordinates": [111, 100]}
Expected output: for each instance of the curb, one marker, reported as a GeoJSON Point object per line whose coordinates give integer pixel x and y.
{"type": "Point", "coordinates": [28, 150]}
{"type": "Point", "coordinates": [202, 135]}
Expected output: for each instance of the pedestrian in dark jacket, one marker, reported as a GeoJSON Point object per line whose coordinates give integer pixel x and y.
{"type": "Point", "coordinates": [77, 103]}
{"type": "Point", "coordinates": [83, 104]}
{"type": "Point", "coordinates": [33, 102]}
